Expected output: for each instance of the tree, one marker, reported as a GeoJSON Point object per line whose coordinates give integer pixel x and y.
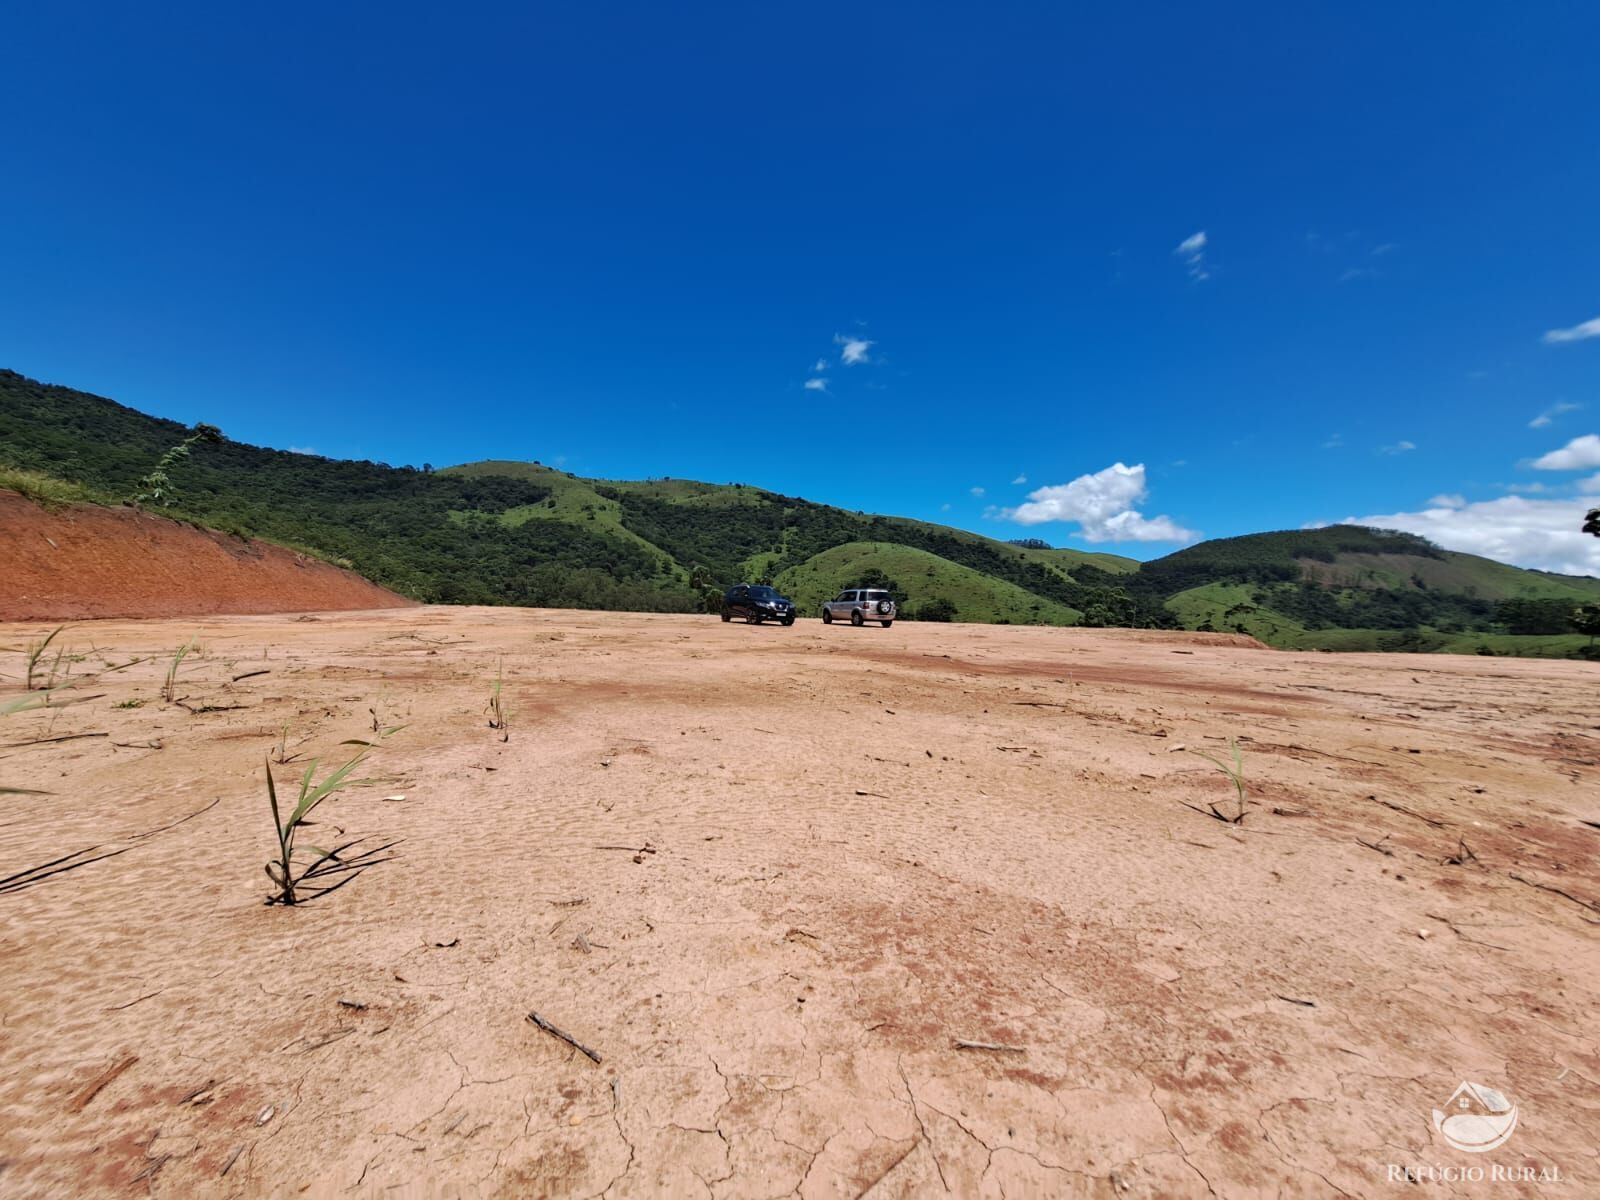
{"type": "Point", "coordinates": [1522, 615]}
{"type": "Point", "coordinates": [937, 609]}
{"type": "Point", "coordinates": [1586, 619]}
{"type": "Point", "coordinates": [1591, 523]}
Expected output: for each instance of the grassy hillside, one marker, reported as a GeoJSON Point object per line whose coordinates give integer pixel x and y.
{"type": "Point", "coordinates": [571, 501]}
{"type": "Point", "coordinates": [431, 536]}
{"type": "Point", "coordinates": [1450, 571]}
{"type": "Point", "coordinates": [521, 533]}
{"type": "Point", "coordinates": [1232, 607]}
{"type": "Point", "coordinates": [1348, 588]}
{"type": "Point", "coordinates": [922, 576]}
{"type": "Point", "coordinates": [730, 532]}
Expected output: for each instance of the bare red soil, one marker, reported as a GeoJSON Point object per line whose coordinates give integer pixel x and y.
{"type": "Point", "coordinates": [83, 561]}
{"type": "Point", "coordinates": [880, 913]}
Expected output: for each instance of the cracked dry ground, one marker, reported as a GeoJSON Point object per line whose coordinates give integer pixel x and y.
{"type": "Point", "coordinates": [771, 875]}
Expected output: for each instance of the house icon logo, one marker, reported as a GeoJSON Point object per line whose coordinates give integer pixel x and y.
{"type": "Point", "coordinates": [1476, 1118]}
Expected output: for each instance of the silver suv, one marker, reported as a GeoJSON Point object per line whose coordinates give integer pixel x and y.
{"type": "Point", "coordinates": [860, 605]}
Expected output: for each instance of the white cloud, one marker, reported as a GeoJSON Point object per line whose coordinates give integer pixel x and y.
{"type": "Point", "coordinates": [1334, 442]}
{"type": "Point", "coordinates": [977, 491]}
{"type": "Point", "coordinates": [1590, 485]}
{"type": "Point", "coordinates": [1548, 416]}
{"type": "Point", "coordinates": [819, 366]}
{"type": "Point", "coordinates": [1448, 500]}
{"type": "Point", "coordinates": [1578, 333]}
{"type": "Point", "coordinates": [853, 350]}
{"type": "Point", "coordinates": [1380, 251]}
{"type": "Point", "coordinates": [1019, 481]}
{"type": "Point", "coordinates": [1193, 252]}
{"type": "Point", "coordinates": [1133, 527]}
{"type": "Point", "coordinates": [944, 508]}
{"type": "Point", "coordinates": [302, 449]}
{"type": "Point", "coordinates": [1543, 534]}
{"type": "Point", "coordinates": [1577, 455]}
{"type": "Point", "coordinates": [816, 385]}
{"type": "Point", "coordinates": [1104, 504]}
{"type": "Point", "coordinates": [1398, 448]}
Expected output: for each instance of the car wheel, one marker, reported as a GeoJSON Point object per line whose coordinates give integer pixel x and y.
{"type": "Point", "coordinates": [856, 618]}
{"type": "Point", "coordinates": [725, 615]}
{"type": "Point", "coordinates": [886, 624]}
{"type": "Point", "coordinates": [754, 618]}
{"type": "Point", "coordinates": [788, 621]}
{"type": "Point", "coordinates": [827, 617]}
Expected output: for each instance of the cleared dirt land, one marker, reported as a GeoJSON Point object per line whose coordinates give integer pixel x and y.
{"type": "Point", "coordinates": [772, 876]}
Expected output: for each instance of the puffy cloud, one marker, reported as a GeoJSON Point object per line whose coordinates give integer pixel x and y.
{"type": "Point", "coordinates": [1543, 534]}
{"type": "Point", "coordinates": [1590, 485]}
{"type": "Point", "coordinates": [1448, 500]}
{"type": "Point", "coordinates": [1019, 481]}
{"type": "Point", "coordinates": [853, 350]}
{"type": "Point", "coordinates": [1577, 455]}
{"type": "Point", "coordinates": [977, 491]}
{"type": "Point", "coordinates": [816, 385]}
{"type": "Point", "coordinates": [1578, 333]}
{"type": "Point", "coordinates": [1397, 448]}
{"type": "Point", "coordinates": [1103, 504]}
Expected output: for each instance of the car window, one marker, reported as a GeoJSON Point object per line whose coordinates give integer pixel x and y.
{"type": "Point", "coordinates": [763, 593]}
{"type": "Point", "coordinates": [846, 597]}
{"type": "Point", "coordinates": [877, 595]}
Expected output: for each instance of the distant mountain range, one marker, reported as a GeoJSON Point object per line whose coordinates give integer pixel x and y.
{"type": "Point", "coordinates": [522, 533]}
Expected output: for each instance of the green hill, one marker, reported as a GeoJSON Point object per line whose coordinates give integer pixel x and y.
{"type": "Point", "coordinates": [976, 596]}
{"type": "Point", "coordinates": [523, 533]}
{"type": "Point", "coordinates": [1351, 588]}
{"type": "Point", "coordinates": [728, 532]}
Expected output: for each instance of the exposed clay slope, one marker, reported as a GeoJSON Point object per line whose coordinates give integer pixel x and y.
{"type": "Point", "coordinates": [85, 561]}
{"type": "Point", "coordinates": [770, 875]}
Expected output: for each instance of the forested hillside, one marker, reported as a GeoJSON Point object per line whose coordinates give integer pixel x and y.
{"type": "Point", "coordinates": [431, 536]}
{"type": "Point", "coordinates": [526, 534]}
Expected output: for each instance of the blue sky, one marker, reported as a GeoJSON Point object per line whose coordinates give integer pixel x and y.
{"type": "Point", "coordinates": [624, 238]}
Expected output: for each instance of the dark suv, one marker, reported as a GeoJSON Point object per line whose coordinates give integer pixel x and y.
{"type": "Point", "coordinates": [756, 602]}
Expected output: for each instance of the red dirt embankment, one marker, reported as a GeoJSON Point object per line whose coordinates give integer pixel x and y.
{"type": "Point", "coordinates": [82, 561]}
